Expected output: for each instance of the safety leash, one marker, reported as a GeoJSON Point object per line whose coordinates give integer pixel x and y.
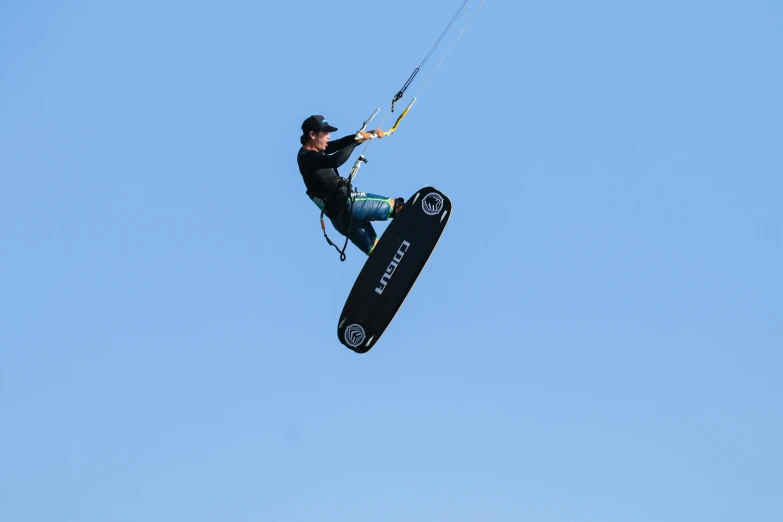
{"type": "Point", "coordinates": [352, 199]}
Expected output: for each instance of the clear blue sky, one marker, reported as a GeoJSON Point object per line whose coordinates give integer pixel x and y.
{"type": "Point", "coordinates": [597, 336]}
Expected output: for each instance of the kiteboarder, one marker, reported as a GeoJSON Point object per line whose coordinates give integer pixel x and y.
{"type": "Point", "coordinates": [350, 212]}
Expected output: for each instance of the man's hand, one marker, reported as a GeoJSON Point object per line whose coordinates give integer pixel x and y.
{"type": "Point", "coordinates": [367, 135]}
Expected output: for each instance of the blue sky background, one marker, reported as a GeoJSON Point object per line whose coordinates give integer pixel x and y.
{"type": "Point", "coordinates": [597, 336]}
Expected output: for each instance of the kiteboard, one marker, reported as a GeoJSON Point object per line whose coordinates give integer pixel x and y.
{"type": "Point", "coordinates": [392, 268]}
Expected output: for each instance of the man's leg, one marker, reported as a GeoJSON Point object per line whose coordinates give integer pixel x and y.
{"type": "Point", "coordinates": [361, 234]}
{"type": "Point", "coordinates": [364, 237]}
{"type": "Point", "coordinates": [366, 208]}
{"type": "Point", "coordinates": [372, 207]}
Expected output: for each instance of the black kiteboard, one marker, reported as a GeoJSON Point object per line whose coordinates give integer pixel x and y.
{"type": "Point", "coordinates": [392, 268]}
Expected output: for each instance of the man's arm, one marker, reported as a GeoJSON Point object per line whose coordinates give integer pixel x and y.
{"type": "Point", "coordinates": [337, 152]}
{"type": "Point", "coordinates": [312, 160]}
{"type": "Point", "coordinates": [352, 139]}
{"type": "Point", "coordinates": [343, 142]}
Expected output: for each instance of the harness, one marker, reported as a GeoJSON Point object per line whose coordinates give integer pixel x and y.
{"type": "Point", "coordinates": [334, 203]}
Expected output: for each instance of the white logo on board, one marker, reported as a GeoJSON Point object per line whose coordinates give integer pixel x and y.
{"type": "Point", "coordinates": [354, 335]}
{"type": "Point", "coordinates": [432, 204]}
{"type": "Point", "coordinates": [392, 266]}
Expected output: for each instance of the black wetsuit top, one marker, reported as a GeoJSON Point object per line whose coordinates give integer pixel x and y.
{"type": "Point", "coordinates": [319, 169]}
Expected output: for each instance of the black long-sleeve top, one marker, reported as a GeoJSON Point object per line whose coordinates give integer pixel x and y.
{"type": "Point", "coordinates": [318, 168]}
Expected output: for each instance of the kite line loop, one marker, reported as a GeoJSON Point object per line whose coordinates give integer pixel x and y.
{"type": "Point", "coordinates": [401, 92]}
{"type": "Point", "coordinates": [397, 97]}
{"type": "Point", "coordinates": [461, 11]}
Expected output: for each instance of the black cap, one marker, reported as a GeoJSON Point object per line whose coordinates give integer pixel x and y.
{"type": "Point", "coordinates": [317, 123]}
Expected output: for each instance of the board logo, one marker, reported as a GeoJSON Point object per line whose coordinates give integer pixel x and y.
{"type": "Point", "coordinates": [392, 266]}
{"type": "Point", "coordinates": [354, 335]}
{"type": "Point", "coordinates": [432, 204]}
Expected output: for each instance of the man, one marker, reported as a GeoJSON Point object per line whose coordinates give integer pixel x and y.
{"type": "Point", "coordinates": [350, 214]}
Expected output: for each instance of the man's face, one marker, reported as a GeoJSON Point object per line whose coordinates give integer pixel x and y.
{"type": "Point", "coordinates": [321, 140]}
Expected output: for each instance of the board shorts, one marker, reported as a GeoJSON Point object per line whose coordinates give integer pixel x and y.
{"type": "Point", "coordinates": [356, 225]}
